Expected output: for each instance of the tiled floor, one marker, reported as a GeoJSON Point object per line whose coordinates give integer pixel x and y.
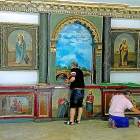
{"type": "Point", "coordinates": [57, 130]}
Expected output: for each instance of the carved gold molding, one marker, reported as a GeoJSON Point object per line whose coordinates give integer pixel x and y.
{"type": "Point", "coordinates": [53, 45]}
{"type": "Point", "coordinates": [99, 49]}
{"type": "Point", "coordinates": [42, 84]}
{"type": "Point", "coordinates": [73, 19]}
{"type": "Point", "coordinates": [74, 8]}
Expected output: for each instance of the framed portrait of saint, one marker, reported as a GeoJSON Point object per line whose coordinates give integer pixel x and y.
{"type": "Point", "coordinates": [18, 46]}
{"type": "Point", "coordinates": [124, 49]}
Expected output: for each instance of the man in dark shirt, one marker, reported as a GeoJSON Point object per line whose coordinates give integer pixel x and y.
{"type": "Point", "coordinates": [77, 93]}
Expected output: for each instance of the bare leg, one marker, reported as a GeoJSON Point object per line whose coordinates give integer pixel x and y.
{"type": "Point", "coordinates": [80, 110]}
{"type": "Point", "coordinates": [72, 114]}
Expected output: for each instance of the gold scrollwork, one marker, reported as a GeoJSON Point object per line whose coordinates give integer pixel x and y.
{"type": "Point", "coordinates": [74, 8]}
{"type": "Point", "coordinates": [73, 19]}
{"type": "Point", "coordinates": [99, 50]}
{"type": "Point", "coordinates": [53, 45]}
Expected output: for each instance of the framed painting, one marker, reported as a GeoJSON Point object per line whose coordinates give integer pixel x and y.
{"type": "Point", "coordinates": [92, 103]}
{"type": "Point", "coordinates": [107, 96]}
{"type": "Point", "coordinates": [18, 46]}
{"type": "Point", "coordinates": [124, 49]}
{"type": "Point", "coordinates": [79, 48]}
{"type": "Point", "coordinates": [44, 104]}
{"type": "Point", "coordinates": [60, 103]}
{"type": "Point", "coordinates": [135, 100]}
{"type": "Point", "coordinates": [17, 104]}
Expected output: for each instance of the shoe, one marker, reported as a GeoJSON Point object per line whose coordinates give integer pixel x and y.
{"type": "Point", "coordinates": [110, 122]}
{"type": "Point", "coordinates": [77, 122]}
{"type": "Point", "coordinates": [69, 123]}
{"type": "Point", "coordinates": [113, 124]}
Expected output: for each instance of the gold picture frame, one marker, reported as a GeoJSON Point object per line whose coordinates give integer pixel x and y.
{"type": "Point", "coordinates": [135, 100]}
{"type": "Point", "coordinates": [17, 104]}
{"type": "Point", "coordinates": [19, 46]}
{"type": "Point", "coordinates": [125, 49]}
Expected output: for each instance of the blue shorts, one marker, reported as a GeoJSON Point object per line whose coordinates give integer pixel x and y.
{"type": "Point", "coordinates": [76, 99]}
{"type": "Point", "coordinates": [120, 121]}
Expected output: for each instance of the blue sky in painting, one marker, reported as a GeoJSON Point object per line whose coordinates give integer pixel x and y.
{"type": "Point", "coordinates": [74, 44]}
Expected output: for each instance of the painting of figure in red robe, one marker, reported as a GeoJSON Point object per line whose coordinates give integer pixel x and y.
{"type": "Point", "coordinates": [89, 104]}
{"type": "Point", "coordinates": [17, 105]}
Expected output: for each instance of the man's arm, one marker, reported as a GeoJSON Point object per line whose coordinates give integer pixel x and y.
{"type": "Point", "coordinates": [72, 76]}
{"type": "Point", "coordinates": [110, 103]}
{"type": "Point", "coordinates": [72, 79]}
{"type": "Point", "coordinates": [135, 110]}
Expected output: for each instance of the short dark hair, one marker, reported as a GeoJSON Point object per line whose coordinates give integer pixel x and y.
{"type": "Point", "coordinates": [74, 64]}
{"type": "Point", "coordinates": [127, 92]}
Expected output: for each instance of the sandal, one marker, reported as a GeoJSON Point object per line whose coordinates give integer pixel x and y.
{"type": "Point", "coordinates": [69, 123]}
{"type": "Point", "coordinates": [113, 124]}
{"type": "Point", "coordinates": [77, 121]}
{"type": "Point", "coordinates": [109, 122]}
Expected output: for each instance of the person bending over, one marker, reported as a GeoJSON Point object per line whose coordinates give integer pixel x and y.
{"type": "Point", "coordinates": [118, 105]}
{"type": "Point", "coordinates": [77, 93]}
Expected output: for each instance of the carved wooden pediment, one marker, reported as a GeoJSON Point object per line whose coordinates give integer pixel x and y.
{"type": "Point", "coordinates": [74, 8]}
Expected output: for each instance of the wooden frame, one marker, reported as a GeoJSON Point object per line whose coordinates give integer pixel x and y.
{"type": "Point", "coordinates": [17, 105]}
{"type": "Point", "coordinates": [135, 100]}
{"type": "Point", "coordinates": [124, 49]}
{"type": "Point", "coordinates": [18, 46]}
{"type": "Point", "coordinates": [107, 95]}
{"type": "Point", "coordinates": [43, 104]}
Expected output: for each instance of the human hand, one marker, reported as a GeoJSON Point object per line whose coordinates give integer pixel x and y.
{"type": "Point", "coordinates": [66, 80]}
